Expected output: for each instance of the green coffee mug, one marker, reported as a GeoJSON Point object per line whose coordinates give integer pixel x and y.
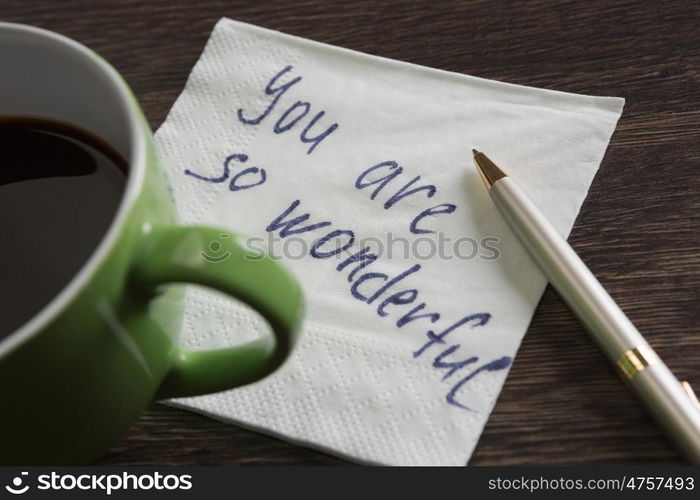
{"type": "Point", "coordinates": [75, 376]}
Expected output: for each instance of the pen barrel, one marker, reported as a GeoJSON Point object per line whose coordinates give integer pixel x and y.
{"type": "Point", "coordinates": [586, 297]}
{"type": "Point", "coordinates": [664, 396]}
{"type": "Point", "coordinates": [608, 325]}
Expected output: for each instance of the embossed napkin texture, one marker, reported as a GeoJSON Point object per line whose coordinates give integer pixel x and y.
{"type": "Point", "coordinates": [323, 157]}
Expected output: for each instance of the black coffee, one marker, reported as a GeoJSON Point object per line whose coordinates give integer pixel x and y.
{"type": "Point", "coordinates": [59, 190]}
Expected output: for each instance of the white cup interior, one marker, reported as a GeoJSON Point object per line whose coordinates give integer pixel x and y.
{"type": "Point", "coordinates": [50, 76]}
{"type": "Point", "coordinates": [46, 75]}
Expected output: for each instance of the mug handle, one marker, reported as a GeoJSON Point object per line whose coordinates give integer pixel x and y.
{"type": "Point", "coordinates": [183, 254]}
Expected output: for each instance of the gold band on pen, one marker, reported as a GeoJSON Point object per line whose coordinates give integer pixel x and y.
{"type": "Point", "coordinates": [636, 360]}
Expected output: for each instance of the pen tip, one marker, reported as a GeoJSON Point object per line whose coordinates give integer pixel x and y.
{"type": "Point", "coordinates": [488, 170]}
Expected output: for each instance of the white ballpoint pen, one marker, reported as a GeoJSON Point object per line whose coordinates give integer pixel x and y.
{"type": "Point", "coordinates": [672, 403]}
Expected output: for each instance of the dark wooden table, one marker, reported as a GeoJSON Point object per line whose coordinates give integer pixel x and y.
{"type": "Point", "coordinates": [638, 230]}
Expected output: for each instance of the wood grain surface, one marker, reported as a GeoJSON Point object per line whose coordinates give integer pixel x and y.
{"type": "Point", "coordinates": [638, 229]}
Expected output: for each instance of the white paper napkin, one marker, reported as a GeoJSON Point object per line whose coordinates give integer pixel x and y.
{"type": "Point", "coordinates": [403, 356]}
